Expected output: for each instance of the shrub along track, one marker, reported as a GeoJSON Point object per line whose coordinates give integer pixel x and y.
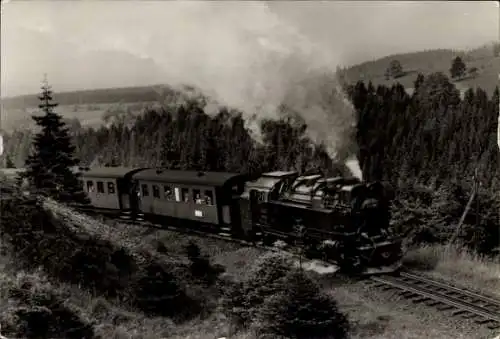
{"type": "Point", "coordinates": [461, 302]}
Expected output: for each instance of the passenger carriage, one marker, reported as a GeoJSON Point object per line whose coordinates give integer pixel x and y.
{"type": "Point", "coordinates": [108, 188]}
{"type": "Point", "coordinates": [189, 198]}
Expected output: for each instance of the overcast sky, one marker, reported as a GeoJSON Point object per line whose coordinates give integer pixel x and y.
{"type": "Point", "coordinates": [95, 44]}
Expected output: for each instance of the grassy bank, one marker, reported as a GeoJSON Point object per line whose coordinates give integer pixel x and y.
{"type": "Point", "coordinates": [47, 236]}
{"type": "Point", "coordinates": [459, 265]}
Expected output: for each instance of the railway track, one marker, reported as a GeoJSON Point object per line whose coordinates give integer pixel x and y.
{"type": "Point", "coordinates": [462, 303]}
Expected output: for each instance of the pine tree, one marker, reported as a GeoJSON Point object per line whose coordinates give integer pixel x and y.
{"type": "Point", "coordinates": [49, 167]}
{"type": "Point", "coordinates": [458, 68]}
{"type": "Point", "coordinates": [301, 310]}
{"type": "Point", "coordinates": [395, 70]}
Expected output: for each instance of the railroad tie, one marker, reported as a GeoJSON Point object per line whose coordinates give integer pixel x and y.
{"type": "Point", "coordinates": [459, 312]}
{"type": "Point", "coordinates": [444, 307]}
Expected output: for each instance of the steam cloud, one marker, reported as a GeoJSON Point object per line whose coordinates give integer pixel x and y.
{"type": "Point", "coordinates": [244, 56]}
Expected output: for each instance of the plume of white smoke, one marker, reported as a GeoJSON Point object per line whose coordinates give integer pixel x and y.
{"type": "Point", "coordinates": [245, 56]}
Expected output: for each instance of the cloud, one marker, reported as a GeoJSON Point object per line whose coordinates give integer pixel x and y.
{"type": "Point", "coordinates": [183, 37]}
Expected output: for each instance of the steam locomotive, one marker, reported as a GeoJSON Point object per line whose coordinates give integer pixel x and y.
{"type": "Point", "coordinates": [341, 220]}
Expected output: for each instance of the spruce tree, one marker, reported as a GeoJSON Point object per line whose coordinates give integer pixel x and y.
{"type": "Point", "coordinates": [49, 167]}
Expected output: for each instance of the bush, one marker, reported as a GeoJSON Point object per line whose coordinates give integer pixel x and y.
{"type": "Point", "coordinates": [241, 300]}
{"type": "Point", "coordinates": [200, 265]}
{"type": "Point", "coordinates": [41, 313]}
{"type": "Point", "coordinates": [156, 291]}
{"type": "Point", "coordinates": [301, 311]}
{"type": "Point", "coordinates": [41, 239]}
{"type": "Point", "coordinates": [278, 300]}
{"type": "Point", "coordinates": [38, 237]}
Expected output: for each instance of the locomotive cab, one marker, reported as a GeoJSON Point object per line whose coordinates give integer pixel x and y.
{"type": "Point", "coordinates": [255, 198]}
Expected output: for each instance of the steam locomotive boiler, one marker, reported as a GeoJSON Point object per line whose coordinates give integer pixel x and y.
{"type": "Point", "coordinates": [342, 220]}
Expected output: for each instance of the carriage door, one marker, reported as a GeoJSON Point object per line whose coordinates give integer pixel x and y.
{"type": "Point", "coordinates": [135, 197]}
{"type": "Point", "coordinates": [235, 213]}
{"type": "Point", "coordinates": [123, 193]}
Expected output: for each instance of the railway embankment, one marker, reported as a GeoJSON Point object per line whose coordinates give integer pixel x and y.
{"type": "Point", "coordinates": [52, 242]}
{"type": "Point", "coordinates": [76, 273]}
{"type": "Point", "coordinates": [72, 253]}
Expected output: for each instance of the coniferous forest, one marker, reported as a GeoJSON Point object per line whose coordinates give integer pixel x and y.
{"type": "Point", "coordinates": [431, 145]}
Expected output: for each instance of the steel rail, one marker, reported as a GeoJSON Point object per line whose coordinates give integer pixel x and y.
{"type": "Point", "coordinates": [421, 289]}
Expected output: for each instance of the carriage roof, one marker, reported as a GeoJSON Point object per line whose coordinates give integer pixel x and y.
{"type": "Point", "coordinates": [107, 172]}
{"type": "Point", "coordinates": [217, 179]}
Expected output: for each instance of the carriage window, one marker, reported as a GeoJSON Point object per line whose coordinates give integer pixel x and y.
{"type": "Point", "coordinates": [185, 194]}
{"type": "Point", "coordinates": [197, 197]}
{"type": "Point", "coordinates": [145, 191]}
{"type": "Point", "coordinates": [156, 191]}
{"type": "Point", "coordinates": [209, 199]}
{"type": "Point", "coordinates": [90, 186]}
{"type": "Point", "coordinates": [167, 192]}
{"type": "Point", "coordinates": [100, 187]}
{"type": "Point", "coordinates": [235, 189]}
{"type": "Point", "coordinates": [111, 188]}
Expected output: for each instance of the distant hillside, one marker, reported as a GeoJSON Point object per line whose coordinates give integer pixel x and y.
{"type": "Point", "coordinates": [93, 108]}
{"type": "Point", "coordinates": [426, 62]}
{"type": "Point", "coordinates": [97, 96]}
{"type": "Point", "coordinates": [98, 101]}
